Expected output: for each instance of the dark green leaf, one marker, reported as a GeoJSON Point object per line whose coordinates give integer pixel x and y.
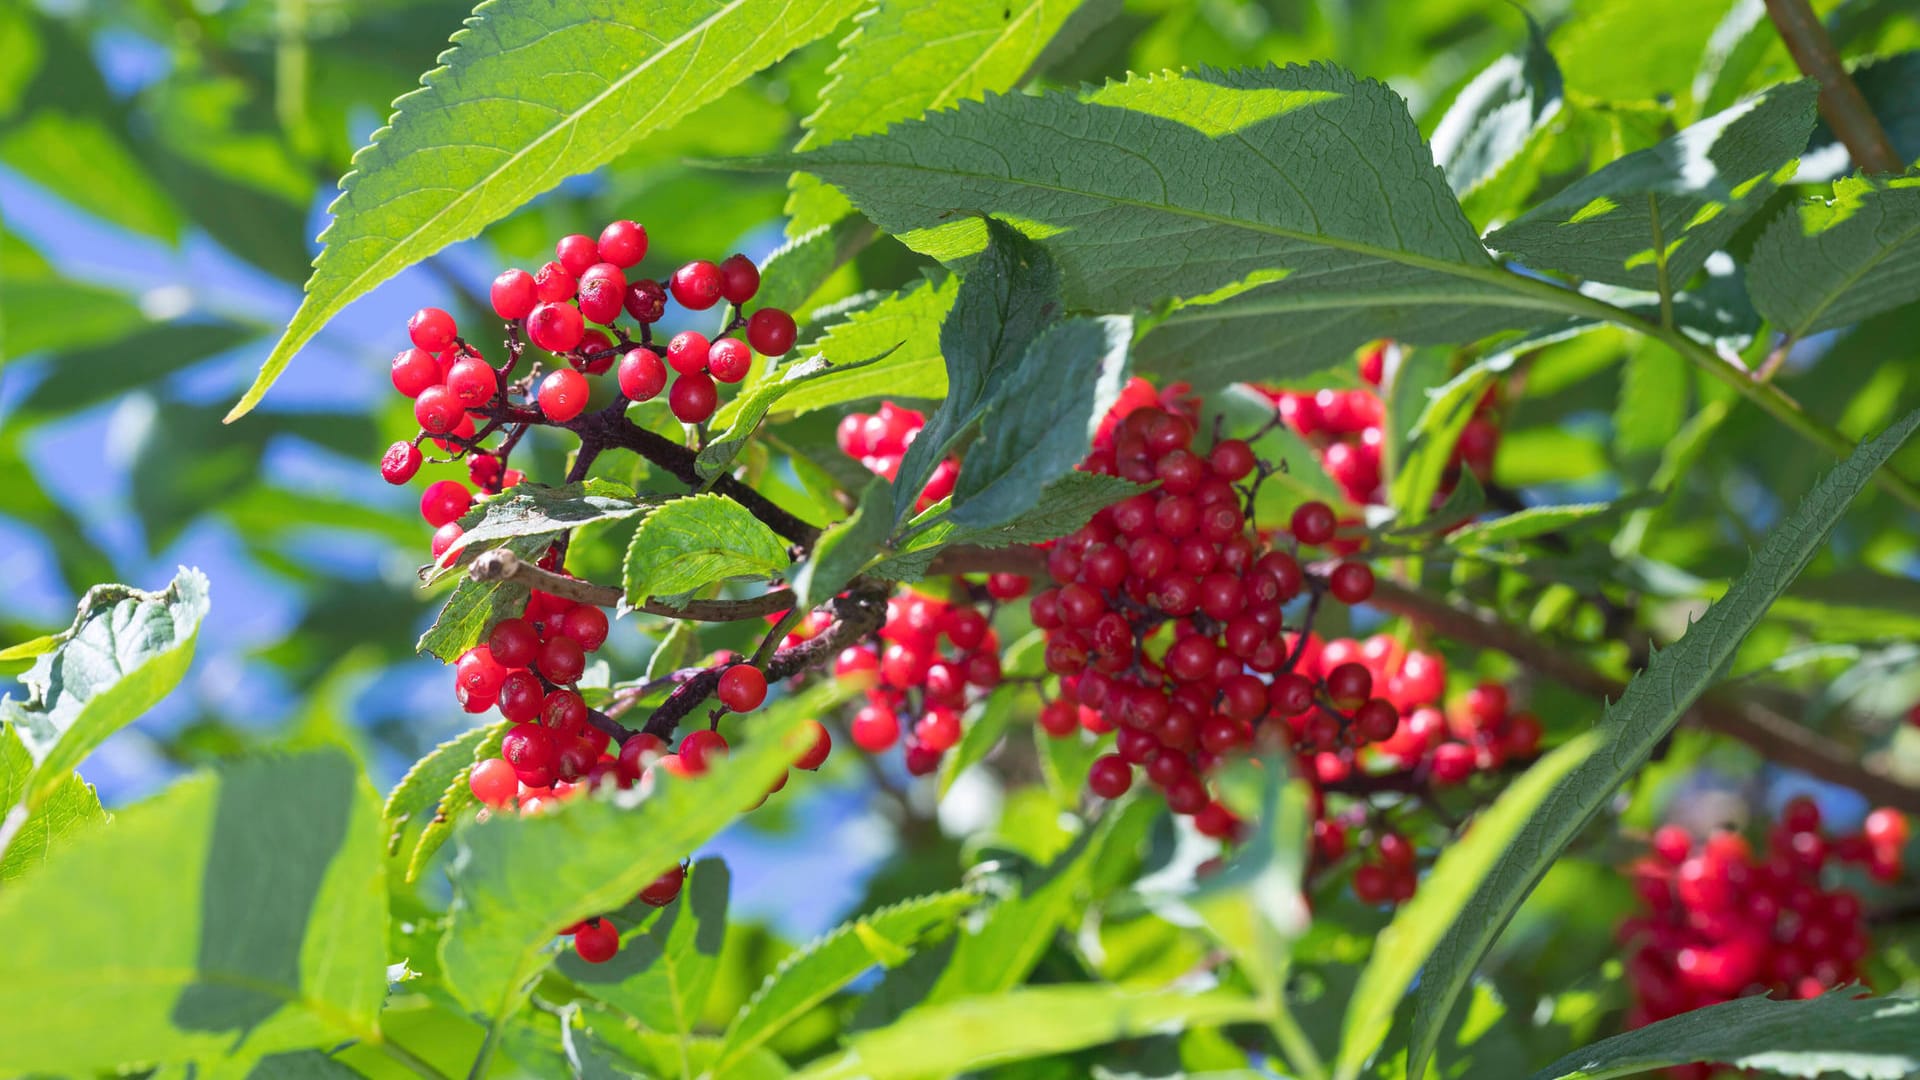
{"type": "Point", "coordinates": [535, 510]}
{"type": "Point", "coordinates": [695, 541]}
{"type": "Point", "coordinates": [797, 269]}
{"type": "Point", "coordinates": [1833, 262]}
{"type": "Point", "coordinates": [666, 965]}
{"type": "Point", "coordinates": [475, 606]}
{"type": "Point", "coordinates": [843, 551]}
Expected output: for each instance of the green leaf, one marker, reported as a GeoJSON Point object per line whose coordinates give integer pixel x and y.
{"type": "Point", "coordinates": [1498, 114]}
{"type": "Point", "coordinates": [843, 551]}
{"type": "Point", "coordinates": [517, 881]}
{"type": "Point", "coordinates": [242, 908]}
{"type": "Point", "coordinates": [526, 97]}
{"type": "Point", "coordinates": [666, 965]}
{"type": "Point", "coordinates": [1405, 945]}
{"type": "Point", "coordinates": [698, 540]}
{"type": "Point", "coordinates": [84, 159]}
{"type": "Point", "coordinates": [1631, 728]}
{"type": "Point", "coordinates": [1539, 520]}
{"type": "Point", "coordinates": [34, 288]}
{"type": "Point", "coordinates": [1654, 390]}
{"type": "Point", "coordinates": [1318, 217]}
{"type": "Point", "coordinates": [414, 801]}
{"type": "Point", "coordinates": [1430, 441]}
{"type": "Point", "coordinates": [68, 810]}
{"type": "Point", "coordinates": [982, 733]}
{"type": "Point", "coordinates": [475, 606]}
{"type": "Point", "coordinates": [535, 510]}
{"type": "Point", "coordinates": [126, 650]}
{"type": "Point", "coordinates": [907, 322]}
{"type": "Point", "coordinates": [1867, 1038]}
{"type": "Point", "coordinates": [457, 800]}
{"type": "Point", "coordinates": [1066, 505]}
{"type": "Point", "coordinates": [1828, 263]}
{"type": "Point", "coordinates": [1704, 183]}
{"type": "Point", "coordinates": [977, 1033]}
{"type": "Point", "coordinates": [812, 974]}
{"type": "Point", "coordinates": [746, 411]}
{"type": "Point", "coordinates": [1040, 421]}
{"type": "Point", "coordinates": [797, 268]}
{"type": "Point", "coordinates": [1009, 297]}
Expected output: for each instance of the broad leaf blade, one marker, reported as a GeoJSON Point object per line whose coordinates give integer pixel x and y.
{"type": "Point", "coordinates": [1065, 505]}
{"type": "Point", "coordinates": [1631, 727]}
{"type": "Point", "coordinates": [1836, 1034]}
{"type": "Point", "coordinates": [68, 810]}
{"type": "Point", "coordinates": [907, 322]}
{"type": "Point", "coordinates": [846, 549]}
{"type": "Point", "coordinates": [474, 606]}
{"type": "Point", "coordinates": [240, 907]}
{"type": "Point", "coordinates": [1704, 183]}
{"type": "Point", "coordinates": [530, 509]}
{"type": "Point", "coordinates": [526, 97]}
{"type": "Point", "coordinates": [414, 802]}
{"type": "Point", "coordinates": [666, 965]}
{"type": "Point", "coordinates": [697, 541]}
{"type": "Point", "coordinates": [457, 800]}
{"type": "Point", "coordinates": [1830, 263]}
{"type": "Point", "coordinates": [1497, 114]}
{"type": "Point", "coordinates": [752, 407]}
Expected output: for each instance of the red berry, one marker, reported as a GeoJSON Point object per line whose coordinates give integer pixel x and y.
{"type": "Point", "coordinates": [875, 728]}
{"type": "Point", "coordinates": [563, 394]}
{"type": "Point", "coordinates": [521, 696]}
{"type": "Point", "coordinates": [556, 327]}
{"type": "Point", "coordinates": [1349, 685]}
{"type": "Point", "coordinates": [639, 751]}
{"type": "Point", "coordinates": [739, 279]}
{"type": "Point", "coordinates": [699, 750]}
{"type": "Point", "coordinates": [622, 243]}
{"type": "Point", "coordinates": [414, 370]}
{"type": "Point", "coordinates": [533, 752]}
{"type": "Point", "coordinates": [729, 360]}
{"type": "Point", "coordinates": [664, 888]}
{"type": "Point", "coordinates": [771, 332]}
{"type": "Point", "coordinates": [576, 253]}
{"type": "Point", "coordinates": [1886, 829]}
{"type": "Point", "coordinates": [1110, 776]}
{"type": "Point", "coordinates": [646, 300]}
{"type": "Point", "coordinates": [472, 381]}
{"type": "Point", "coordinates": [400, 462]}
{"type": "Point", "coordinates": [642, 376]}
{"type": "Point", "coordinates": [696, 285]}
{"type": "Point", "coordinates": [431, 329]}
{"type": "Point", "coordinates": [742, 688]}
{"type": "Point", "coordinates": [561, 659]}
{"type": "Point", "coordinates": [818, 749]}
{"type": "Point", "coordinates": [693, 398]}
{"type": "Point", "coordinates": [444, 501]}
{"type": "Point", "coordinates": [437, 410]}
{"type": "Point", "coordinates": [513, 294]}
{"type": "Point", "coordinates": [1313, 523]}
{"type": "Point", "coordinates": [687, 352]}
{"type": "Point", "coordinates": [1351, 582]}
{"type": "Point", "coordinates": [1372, 884]}
{"type": "Point", "coordinates": [514, 642]}
{"type": "Point", "coordinates": [492, 782]}
{"type": "Point", "coordinates": [586, 624]}
{"type": "Point", "coordinates": [601, 290]}
{"type": "Point", "coordinates": [552, 283]}
{"type": "Point", "coordinates": [478, 674]}
{"type": "Point", "coordinates": [596, 941]}
{"type": "Point", "coordinates": [1452, 762]}
{"type": "Point", "coordinates": [939, 730]}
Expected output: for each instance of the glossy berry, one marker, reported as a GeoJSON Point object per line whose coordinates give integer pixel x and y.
{"type": "Point", "coordinates": [596, 941]}
{"type": "Point", "coordinates": [696, 286]}
{"type": "Point", "coordinates": [623, 243]}
{"type": "Point", "coordinates": [642, 376]}
{"type": "Point", "coordinates": [664, 888]}
{"type": "Point", "coordinates": [742, 688]}
{"type": "Point", "coordinates": [400, 462]}
{"type": "Point", "coordinates": [576, 253]}
{"type": "Point", "coordinates": [586, 625]}
{"type": "Point", "coordinates": [533, 752]}
{"type": "Point", "coordinates": [646, 300]}
{"type": "Point", "coordinates": [693, 398]}
{"type": "Point", "coordinates": [1313, 523]}
{"type": "Point", "coordinates": [552, 284]}
{"type": "Point", "coordinates": [472, 382]}
{"type": "Point", "coordinates": [687, 352]}
{"type": "Point", "coordinates": [437, 411]}
{"type": "Point", "coordinates": [563, 711]}
{"type": "Point", "coordinates": [739, 279]}
{"type": "Point", "coordinates": [431, 329]}
{"type": "Point", "coordinates": [701, 750]}
{"type": "Point", "coordinates": [444, 501]}
{"type": "Point", "coordinates": [414, 370]}
{"type": "Point", "coordinates": [514, 642]}
{"type": "Point", "coordinates": [729, 360]}
{"type": "Point", "coordinates": [771, 332]}
{"type": "Point", "coordinates": [563, 395]}
{"type": "Point", "coordinates": [561, 659]}
{"type": "Point", "coordinates": [556, 327]}
{"type": "Point", "coordinates": [492, 782]}
{"type": "Point", "coordinates": [513, 294]}
{"type": "Point", "coordinates": [600, 292]}
{"type": "Point", "coordinates": [1351, 583]}
{"type": "Point", "coordinates": [1110, 776]}
{"type": "Point", "coordinates": [639, 751]}
{"type": "Point", "coordinates": [875, 728]}
{"type": "Point", "coordinates": [817, 750]}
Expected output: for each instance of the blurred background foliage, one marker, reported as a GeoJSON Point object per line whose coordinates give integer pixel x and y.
{"type": "Point", "coordinates": [165, 164]}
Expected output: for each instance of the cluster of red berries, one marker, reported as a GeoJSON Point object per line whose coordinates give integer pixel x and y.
{"type": "Point", "coordinates": [879, 440]}
{"type": "Point", "coordinates": [1165, 620]}
{"type": "Point", "coordinates": [597, 940]}
{"type": "Point", "coordinates": [1722, 921]}
{"type": "Point", "coordinates": [1344, 429]}
{"type": "Point", "coordinates": [931, 658]}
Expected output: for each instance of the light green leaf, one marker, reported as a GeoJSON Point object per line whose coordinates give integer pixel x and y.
{"type": "Point", "coordinates": [1630, 729]}
{"type": "Point", "coordinates": [1317, 216]}
{"type": "Point", "coordinates": [1829, 263]}
{"type": "Point", "coordinates": [125, 651]}
{"type": "Point", "coordinates": [34, 288]}
{"type": "Point", "coordinates": [239, 908]}
{"type": "Point", "coordinates": [696, 541]}
{"type": "Point", "coordinates": [1497, 114]}
{"type": "Point", "coordinates": [1404, 946]}
{"type": "Point", "coordinates": [814, 973]}
{"type": "Point", "coordinates": [1654, 389]}
{"type": "Point", "coordinates": [1539, 520]}
{"type": "Point", "coordinates": [1867, 1038]}
{"type": "Point", "coordinates": [977, 1033]}
{"type": "Point", "coordinates": [526, 97]}
{"type": "Point", "coordinates": [1430, 441]}
{"type": "Point", "coordinates": [843, 551]}
{"type": "Point", "coordinates": [666, 964]}
{"type": "Point", "coordinates": [1649, 220]}
{"type": "Point", "coordinates": [982, 733]}
{"type": "Point", "coordinates": [517, 881]}
{"type": "Point", "coordinates": [797, 268]}
{"type": "Point", "coordinates": [906, 322]}
{"type": "Point", "coordinates": [474, 606]}
{"type": "Point", "coordinates": [84, 159]}
{"type": "Point", "coordinates": [457, 801]}
{"type": "Point", "coordinates": [70, 809]}
{"type": "Point", "coordinates": [752, 407]}
{"type": "Point", "coordinates": [413, 803]}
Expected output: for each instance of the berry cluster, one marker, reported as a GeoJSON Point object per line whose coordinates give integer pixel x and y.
{"type": "Point", "coordinates": [1165, 620]}
{"type": "Point", "coordinates": [1721, 920]}
{"type": "Point", "coordinates": [931, 658]}
{"type": "Point", "coordinates": [879, 440]}
{"type": "Point", "coordinates": [1343, 427]}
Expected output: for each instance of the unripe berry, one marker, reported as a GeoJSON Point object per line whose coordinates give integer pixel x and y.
{"type": "Point", "coordinates": [472, 382]}
{"type": "Point", "coordinates": [400, 462]}
{"type": "Point", "coordinates": [437, 411]}
{"type": "Point", "coordinates": [642, 376]}
{"type": "Point", "coordinates": [696, 285]}
{"type": "Point", "coordinates": [513, 294]}
{"type": "Point", "coordinates": [622, 243]}
{"type": "Point", "coordinates": [431, 329]}
{"type": "Point", "coordinates": [693, 397]}
{"type": "Point", "coordinates": [492, 782]}
{"type": "Point", "coordinates": [556, 327]}
{"type": "Point", "coordinates": [687, 352]}
{"type": "Point", "coordinates": [414, 370]}
{"type": "Point", "coordinates": [742, 688]}
{"type": "Point", "coordinates": [771, 332]}
{"type": "Point", "coordinates": [818, 749]}
{"type": "Point", "coordinates": [729, 360]}
{"type": "Point", "coordinates": [646, 300]}
{"type": "Point", "coordinates": [444, 501]}
{"type": "Point", "coordinates": [596, 941]}
{"type": "Point", "coordinates": [563, 395]}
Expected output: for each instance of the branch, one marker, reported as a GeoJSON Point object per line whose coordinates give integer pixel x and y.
{"type": "Point", "coordinates": [501, 564]}
{"type": "Point", "coordinates": [1841, 104]}
{"type": "Point", "coordinates": [1773, 735]}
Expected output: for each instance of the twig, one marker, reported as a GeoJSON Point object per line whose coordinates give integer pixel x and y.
{"type": "Point", "coordinates": [1841, 104]}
